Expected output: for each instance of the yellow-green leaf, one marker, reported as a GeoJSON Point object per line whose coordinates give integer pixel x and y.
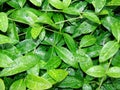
{"type": "Point", "coordinates": [3, 22]}
{"type": "Point", "coordinates": [35, 31]}
{"type": "Point", "coordinates": [58, 74]}
{"type": "Point", "coordinates": [2, 85]}
{"type": "Point", "coordinates": [37, 83]}
{"type": "Point", "coordinates": [114, 72]}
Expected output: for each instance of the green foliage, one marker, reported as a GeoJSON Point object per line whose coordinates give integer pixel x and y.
{"type": "Point", "coordinates": [59, 45]}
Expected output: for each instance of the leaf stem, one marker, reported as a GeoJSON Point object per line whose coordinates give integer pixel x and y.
{"type": "Point", "coordinates": [102, 80]}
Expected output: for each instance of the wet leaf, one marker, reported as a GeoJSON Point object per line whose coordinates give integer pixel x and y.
{"type": "Point", "coordinates": [108, 50]}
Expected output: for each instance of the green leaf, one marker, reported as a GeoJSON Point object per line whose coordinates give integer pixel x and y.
{"type": "Point", "coordinates": [60, 4]}
{"type": "Point", "coordinates": [85, 28]}
{"type": "Point", "coordinates": [116, 30]}
{"type": "Point", "coordinates": [90, 1]}
{"type": "Point", "coordinates": [108, 22]}
{"type": "Point", "coordinates": [36, 2]}
{"type": "Point", "coordinates": [66, 56]}
{"type": "Point", "coordinates": [3, 22]}
{"type": "Point", "coordinates": [36, 30]}
{"type": "Point", "coordinates": [2, 85]}
{"type": "Point", "coordinates": [87, 40]}
{"type": "Point", "coordinates": [71, 11]}
{"type": "Point", "coordinates": [108, 50]}
{"type": "Point", "coordinates": [5, 60]}
{"type": "Point", "coordinates": [3, 1]}
{"type": "Point", "coordinates": [70, 42]}
{"type": "Point", "coordinates": [91, 16]}
{"type": "Point", "coordinates": [34, 70]}
{"type": "Point", "coordinates": [113, 3]}
{"type": "Point", "coordinates": [86, 87]}
{"type": "Point", "coordinates": [20, 64]}
{"type": "Point", "coordinates": [84, 60]}
{"type": "Point", "coordinates": [75, 9]}
{"type": "Point", "coordinates": [12, 32]}
{"type": "Point", "coordinates": [49, 78]}
{"type": "Point", "coordinates": [98, 5]}
{"type": "Point", "coordinates": [26, 45]}
{"type": "Point", "coordinates": [18, 85]}
{"type": "Point", "coordinates": [16, 3]}
{"type": "Point", "coordinates": [58, 19]}
{"type": "Point", "coordinates": [116, 59]}
{"type": "Point", "coordinates": [96, 71]}
{"type": "Point", "coordinates": [66, 2]}
{"type": "Point", "coordinates": [58, 74]}
{"type": "Point", "coordinates": [37, 83]}
{"type": "Point", "coordinates": [116, 83]}
{"type": "Point", "coordinates": [52, 63]}
{"type": "Point", "coordinates": [45, 19]}
{"type": "Point", "coordinates": [4, 39]}
{"type": "Point", "coordinates": [114, 72]}
{"type": "Point", "coordinates": [93, 51]}
{"type": "Point", "coordinates": [24, 15]}
{"type": "Point", "coordinates": [71, 82]}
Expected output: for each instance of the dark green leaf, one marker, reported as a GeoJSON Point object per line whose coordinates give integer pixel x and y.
{"type": "Point", "coordinates": [58, 19]}
{"type": "Point", "coordinates": [116, 59]}
{"type": "Point", "coordinates": [71, 82]}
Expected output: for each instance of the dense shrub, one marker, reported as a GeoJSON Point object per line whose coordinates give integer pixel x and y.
{"type": "Point", "coordinates": [59, 44]}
